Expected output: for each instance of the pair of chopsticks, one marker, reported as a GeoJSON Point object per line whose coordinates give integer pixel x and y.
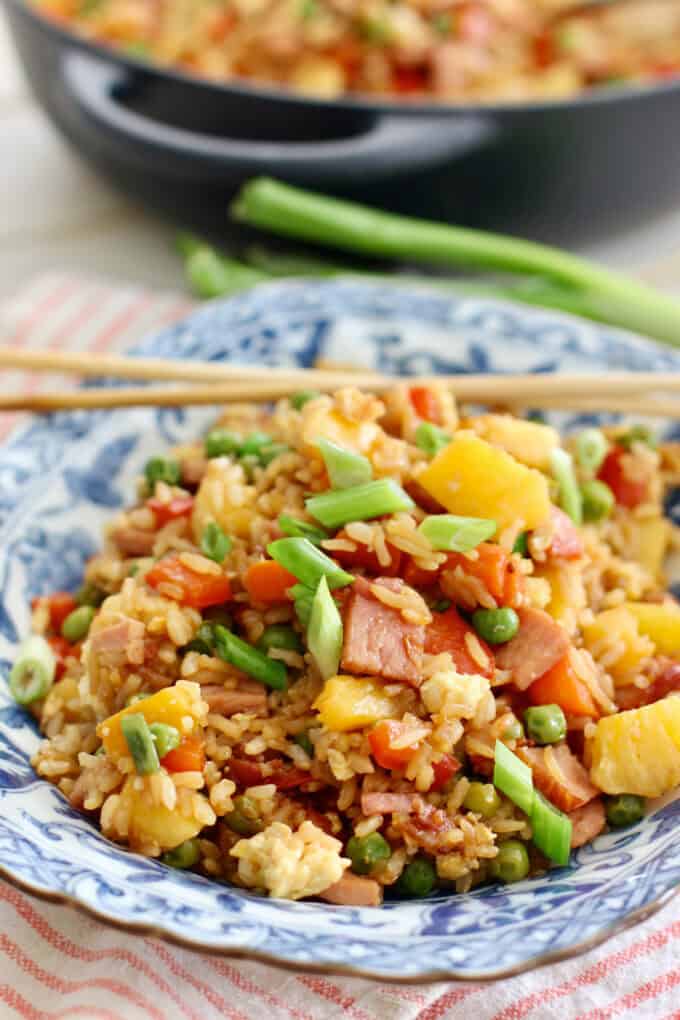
{"type": "Point", "coordinates": [645, 393]}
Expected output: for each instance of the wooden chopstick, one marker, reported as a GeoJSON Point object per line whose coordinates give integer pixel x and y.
{"type": "Point", "coordinates": [222, 393]}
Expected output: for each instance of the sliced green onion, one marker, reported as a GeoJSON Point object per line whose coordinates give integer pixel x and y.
{"type": "Point", "coordinates": [33, 671]}
{"type": "Point", "coordinates": [551, 830]}
{"type": "Point", "coordinates": [159, 469]}
{"type": "Point", "coordinates": [232, 649]}
{"type": "Point", "coordinates": [203, 640]}
{"type": "Point", "coordinates": [598, 500]}
{"type": "Point", "coordinates": [279, 635]}
{"type": "Point", "coordinates": [324, 634]}
{"type": "Point", "coordinates": [222, 443]}
{"type": "Point", "coordinates": [345, 468]}
{"type": "Point", "coordinates": [295, 528]}
{"type": "Point", "coordinates": [214, 543]}
{"type": "Point", "coordinates": [307, 563]}
{"type": "Point", "coordinates": [183, 856]}
{"type": "Point", "coordinates": [303, 741]}
{"type": "Point", "coordinates": [303, 598]}
{"type": "Point", "coordinates": [140, 743]}
{"type": "Point", "coordinates": [362, 503]}
{"type": "Point", "coordinates": [456, 534]}
{"type": "Point", "coordinates": [513, 778]}
{"type": "Point", "coordinates": [298, 400]}
{"type": "Point", "coordinates": [165, 737]}
{"type": "Point", "coordinates": [638, 434]}
{"type": "Point", "coordinates": [569, 494]}
{"type": "Point", "coordinates": [431, 439]}
{"type": "Point", "coordinates": [591, 449]}
{"type": "Point", "coordinates": [521, 545]}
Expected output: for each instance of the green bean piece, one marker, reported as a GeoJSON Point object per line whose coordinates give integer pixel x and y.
{"type": "Point", "coordinates": [279, 635]}
{"type": "Point", "coordinates": [365, 852]}
{"type": "Point", "coordinates": [33, 671]}
{"type": "Point", "coordinates": [624, 809]}
{"type": "Point", "coordinates": [521, 546]}
{"type": "Point", "coordinates": [451, 533]}
{"type": "Point", "coordinates": [545, 724]}
{"type": "Point", "coordinates": [325, 631]}
{"type": "Point", "coordinates": [303, 597]}
{"type": "Point", "coordinates": [345, 468]}
{"type": "Point", "coordinates": [77, 624]}
{"type": "Point", "coordinates": [591, 449]}
{"type": "Point", "coordinates": [511, 864]}
{"type": "Point", "coordinates": [140, 744]}
{"type": "Point", "coordinates": [598, 500]}
{"type": "Point", "coordinates": [165, 737]}
{"type": "Point", "coordinates": [496, 626]}
{"type": "Point", "coordinates": [244, 817]}
{"type": "Point", "coordinates": [214, 543]}
{"type": "Point", "coordinates": [569, 494]}
{"type": "Point", "coordinates": [638, 434]}
{"type": "Point", "coordinates": [159, 469]}
{"type": "Point", "coordinates": [298, 400]}
{"type": "Point", "coordinates": [222, 443]}
{"type": "Point", "coordinates": [183, 856]}
{"type": "Point", "coordinates": [203, 640]}
{"type": "Point", "coordinates": [418, 878]}
{"type": "Point", "coordinates": [213, 275]}
{"type": "Point", "coordinates": [90, 595]}
{"type": "Point", "coordinates": [307, 563]}
{"type": "Point", "coordinates": [360, 503]}
{"type": "Point", "coordinates": [239, 653]}
{"type": "Point", "coordinates": [482, 799]}
{"type": "Point", "coordinates": [430, 438]}
{"type": "Point", "coordinates": [295, 528]}
{"type": "Point", "coordinates": [303, 740]}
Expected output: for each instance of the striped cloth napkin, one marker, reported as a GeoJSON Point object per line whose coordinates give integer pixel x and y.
{"type": "Point", "coordinates": [57, 963]}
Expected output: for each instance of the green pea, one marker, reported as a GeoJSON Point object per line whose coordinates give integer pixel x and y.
{"type": "Point", "coordinates": [365, 852]}
{"type": "Point", "coordinates": [598, 500]}
{"type": "Point", "coordinates": [513, 730]}
{"type": "Point", "coordinates": [90, 595]}
{"type": "Point", "coordinates": [624, 809]}
{"type": "Point", "coordinates": [511, 864]}
{"type": "Point", "coordinates": [77, 623]}
{"type": "Point", "coordinates": [496, 625]}
{"type": "Point", "coordinates": [279, 635]}
{"type": "Point", "coordinates": [418, 878]}
{"type": "Point", "coordinates": [521, 545]}
{"type": "Point", "coordinates": [134, 570]}
{"type": "Point", "coordinates": [244, 817]}
{"type": "Point", "coordinates": [254, 443]}
{"type": "Point", "coordinates": [482, 799]}
{"type": "Point", "coordinates": [165, 737]}
{"type": "Point", "coordinates": [271, 452]}
{"type": "Point", "coordinates": [158, 469]}
{"type": "Point", "coordinates": [203, 640]}
{"type": "Point", "coordinates": [214, 543]}
{"type": "Point", "coordinates": [222, 443]}
{"type": "Point", "coordinates": [183, 856]}
{"type": "Point", "coordinates": [638, 434]}
{"type": "Point", "coordinates": [546, 724]}
{"type": "Point", "coordinates": [298, 400]}
{"type": "Point", "coordinates": [302, 739]}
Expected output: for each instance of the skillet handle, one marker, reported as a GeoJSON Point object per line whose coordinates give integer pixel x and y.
{"type": "Point", "coordinates": [390, 145]}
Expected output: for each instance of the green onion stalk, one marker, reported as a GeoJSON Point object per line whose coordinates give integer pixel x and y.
{"type": "Point", "coordinates": [556, 278]}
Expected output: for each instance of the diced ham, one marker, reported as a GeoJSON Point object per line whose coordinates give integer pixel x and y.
{"type": "Point", "coordinates": [387, 803]}
{"type": "Point", "coordinates": [539, 643]}
{"type": "Point", "coordinates": [559, 776]}
{"type": "Point", "coordinates": [193, 468]}
{"type": "Point", "coordinates": [567, 543]}
{"type": "Point", "coordinates": [353, 891]}
{"type": "Point", "coordinates": [666, 681]}
{"type": "Point", "coordinates": [134, 541]}
{"type": "Point", "coordinates": [122, 642]}
{"type": "Point", "coordinates": [587, 822]}
{"type": "Point", "coordinates": [228, 702]}
{"type": "Point", "coordinates": [427, 825]}
{"type": "Point", "coordinates": [378, 641]}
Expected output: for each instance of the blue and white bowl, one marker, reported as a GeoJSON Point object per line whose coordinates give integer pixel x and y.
{"type": "Point", "coordinates": [62, 477]}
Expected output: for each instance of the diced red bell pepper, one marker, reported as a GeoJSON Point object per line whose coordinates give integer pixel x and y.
{"type": "Point", "coordinates": [447, 633]}
{"type": "Point", "coordinates": [188, 757]}
{"type": "Point", "coordinates": [364, 557]}
{"type": "Point", "coordinates": [425, 404]}
{"type": "Point", "coordinates": [544, 49]}
{"type": "Point", "coordinates": [59, 604]}
{"type": "Point", "coordinates": [444, 769]}
{"type": "Point", "coordinates": [198, 590]}
{"type": "Point", "coordinates": [409, 79]}
{"type": "Point", "coordinates": [172, 511]}
{"type": "Point", "coordinates": [627, 492]}
{"type": "Point", "coordinates": [381, 739]}
{"type": "Point", "coordinates": [246, 773]}
{"type": "Point", "coordinates": [62, 649]}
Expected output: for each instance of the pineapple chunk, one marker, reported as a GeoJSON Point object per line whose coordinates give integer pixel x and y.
{"type": "Point", "coordinates": [176, 706]}
{"type": "Point", "coordinates": [567, 591]}
{"type": "Point", "coordinates": [527, 441]}
{"type": "Point", "coordinates": [660, 623]}
{"type": "Point", "coordinates": [650, 538]}
{"type": "Point", "coordinates": [350, 702]}
{"type": "Point", "coordinates": [619, 625]}
{"type": "Point", "coordinates": [638, 751]}
{"type": "Point", "coordinates": [473, 478]}
{"type": "Point", "coordinates": [320, 420]}
{"type": "Point", "coordinates": [155, 823]}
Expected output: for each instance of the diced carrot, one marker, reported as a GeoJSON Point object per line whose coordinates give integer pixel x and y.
{"type": "Point", "coordinates": [381, 739]}
{"type": "Point", "coordinates": [425, 404]}
{"type": "Point", "coordinates": [268, 581]}
{"type": "Point", "coordinates": [447, 633]}
{"type": "Point", "coordinates": [188, 757]}
{"type": "Point", "coordinates": [627, 492]}
{"type": "Point", "coordinates": [561, 686]}
{"type": "Point", "coordinates": [364, 557]}
{"type": "Point", "coordinates": [489, 567]}
{"type": "Point", "coordinates": [172, 511]}
{"type": "Point", "coordinates": [197, 590]}
{"type": "Point", "coordinates": [443, 770]}
{"type": "Point", "coordinates": [59, 604]}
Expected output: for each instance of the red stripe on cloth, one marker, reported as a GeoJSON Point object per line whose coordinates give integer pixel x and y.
{"type": "Point", "coordinates": [438, 1009]}
{"type": "Point", "coordinates": [405, 994]}
{"type": "Point", "coordinates": [649, 990]}
{"type": "Point", "coordinates": [48, 303]}
{"type": "Point", "coordinates": [123, 321]}
{"type": "Point", "coordinates": [24, 1008]}
{"type": "Point", "coordinates": [593, 974]}
{"type": "Point", "coordinates": [179, 971]}
{"type": "Point", "coordinates": [332, 993]}
{"type": "Point", "coordinates": [64, 945]}
{"type": "Point", "coordinates": [246, 985]}
{"type": "Point", "coordinates": [65, 987]}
